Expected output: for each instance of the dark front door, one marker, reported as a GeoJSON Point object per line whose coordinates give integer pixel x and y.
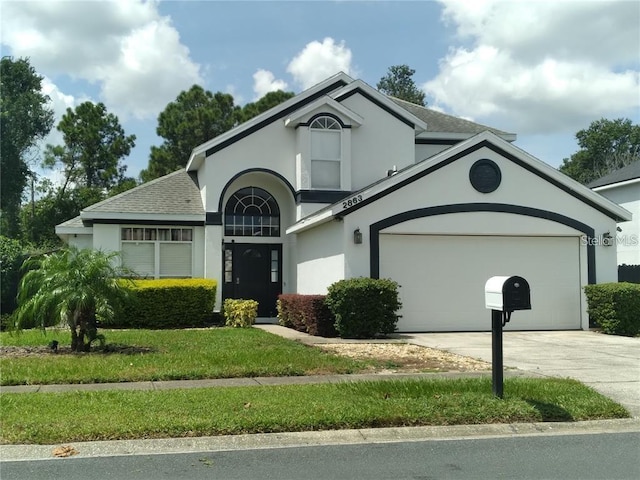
{"type": "Point", "coordinates": [254, 274]}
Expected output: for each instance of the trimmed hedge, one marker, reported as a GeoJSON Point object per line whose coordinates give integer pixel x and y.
{"type": "Point", "coordinates": [615, 307]}
{"type": "Point", "coordinates": [306, 313]}
{"type": "Point", "coordinates": [364, 307]}
{"type": "Point", "coordinates": [167, 303]}
{"type": "Point", "coordinates": [240, 313]}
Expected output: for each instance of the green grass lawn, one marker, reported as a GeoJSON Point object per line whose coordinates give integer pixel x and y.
{"type": "Point", "coordinates": [44, 418]}
{"type": "Point", "coordinates": [169, 355]}
{"type": "Point", "coordinates": [39, 418]}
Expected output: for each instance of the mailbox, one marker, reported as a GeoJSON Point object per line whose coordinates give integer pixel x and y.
{"type": "Point", "coordinates": [507, 294]}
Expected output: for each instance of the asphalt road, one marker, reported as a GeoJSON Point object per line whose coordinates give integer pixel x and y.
{"type": "Point", "coordinates": [566, 457]}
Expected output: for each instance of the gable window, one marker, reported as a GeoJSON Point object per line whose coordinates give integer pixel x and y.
{"type": "Point", "coordinates": [158, 252]}
{"type": "Point", "coordinates": [326, 152]}
{"type": "Point", "coordinates": [252, 212]}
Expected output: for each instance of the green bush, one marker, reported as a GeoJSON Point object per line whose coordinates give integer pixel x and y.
{"type": "Point", "coordinates": [615, 307]}
{"type": "Point", "coordinates": [168, 303]}
{"type": "Point", "coordinates": [306, 313]}
{"type": "Point", "coordinates": [364, 307]}
{"type": "Point", "coordinates": [240, 313]}
{"type": "Point", "coordinates": [12, 254]}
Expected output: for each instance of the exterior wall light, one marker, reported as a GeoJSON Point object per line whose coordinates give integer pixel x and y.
{"type": "Point", "coordinates": [607, 239]}
{"type": "Point", "coordinates": [357, 236]}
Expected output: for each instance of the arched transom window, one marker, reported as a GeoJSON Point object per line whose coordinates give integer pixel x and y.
{"type": "Point", "coordinates": [252, 212]}
{"type": "Point", "coordinates": [326, 152]}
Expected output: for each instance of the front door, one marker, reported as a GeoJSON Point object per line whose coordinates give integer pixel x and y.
{"type": "Point", "coordinates": [252, 271]}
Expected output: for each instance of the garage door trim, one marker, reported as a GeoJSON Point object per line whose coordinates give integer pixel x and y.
{"type": "Point", "coordinates": [375, 228]}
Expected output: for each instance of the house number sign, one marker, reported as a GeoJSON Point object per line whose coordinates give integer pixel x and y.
{"type": "Point", "coordinates": [350, 202]}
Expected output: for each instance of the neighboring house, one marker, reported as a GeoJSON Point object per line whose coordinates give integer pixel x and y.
{"type": "Point", "coordinates": [623, 187]}
{"type": "Point", "coordinates": [342, 181]}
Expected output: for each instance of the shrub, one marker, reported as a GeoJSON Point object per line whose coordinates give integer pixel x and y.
{"type": "Point", "coordinates": [240, 313]}
{"type": "Point", "coordinates": [615, 307]}
{"type": "Point", "coordinates": [12, 254]}
{"type": "Point", "coordinates": [168, 303]}
{"type": "Point", "coordinates": [364, 307]}
{"type": "Point", "coordinates": [306, 313]}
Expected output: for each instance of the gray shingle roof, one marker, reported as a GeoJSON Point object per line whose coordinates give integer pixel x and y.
{"type": "Point", "coordinates": [174, 194]}
{"type": "Point", "coordinates": [441, 122]}
{"type": "Point", "coordinates": [630, 172]}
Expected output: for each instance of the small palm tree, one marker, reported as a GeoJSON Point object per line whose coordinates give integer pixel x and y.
{"type": "Point", "coordinates": [71, 286]}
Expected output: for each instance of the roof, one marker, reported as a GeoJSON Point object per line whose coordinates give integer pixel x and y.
{"type": "Point", "coordinates": [444, 123]}
{"type": "Point", "coordinates": [174, 194]}
{"type": "Point", "coordinates": [624, 174]}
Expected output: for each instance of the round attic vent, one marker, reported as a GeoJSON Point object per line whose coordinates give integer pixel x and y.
{"type": "Point", "coordinates": [485, 176]}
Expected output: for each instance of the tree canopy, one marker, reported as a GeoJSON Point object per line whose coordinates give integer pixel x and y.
{"type": "Point", "coordinates": [265, 103]}
{"type": "Point", "coordinates": [25, 118]}
{"type": "Point", "coordinates": [196, 116]}
{"type": "Point", "coordinates": [398, 82]}
{"type": "Point", "coordinates": [605, 146]}
{"type": "Point", "coordinates": [94, 146]}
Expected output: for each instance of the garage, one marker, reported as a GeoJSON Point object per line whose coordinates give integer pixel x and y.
{"type": "Point", "coordinates": [442, 279]}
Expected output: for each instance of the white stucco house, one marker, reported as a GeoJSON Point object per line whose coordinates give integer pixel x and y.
{"type": "Point", "coordinates": [623, 187]}
{"type": "Point", "coordinates": [342, 181]}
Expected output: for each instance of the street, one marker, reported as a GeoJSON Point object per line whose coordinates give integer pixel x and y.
{"type": "Point", "coordinates": [566, 457]}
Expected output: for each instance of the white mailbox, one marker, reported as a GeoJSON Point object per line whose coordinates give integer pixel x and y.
{"type": "Point", "coordinates": [507, 294]}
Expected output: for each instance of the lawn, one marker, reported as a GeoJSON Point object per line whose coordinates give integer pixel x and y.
{"type": "Point", "coordinates": [147, 355]}
{"type": "Point", "coordinates": [39, 418]}
{"type": "Point", "coordinates": [137, 355]}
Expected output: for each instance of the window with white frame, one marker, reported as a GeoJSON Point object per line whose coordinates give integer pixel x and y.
{"type": "Point", "coordinates": [158, 252]}
{"type": "Point", "coordinates": [326, 152]}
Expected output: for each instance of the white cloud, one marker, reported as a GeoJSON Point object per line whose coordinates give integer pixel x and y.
{"type": "Point", "coordinates": [132, 53]}
{"type": "Point", "coordinates": [264, 82]}
{"type": "Point", "coordinates": [317, 61]}
{"type": "Point", "coordinates": [537, 67]}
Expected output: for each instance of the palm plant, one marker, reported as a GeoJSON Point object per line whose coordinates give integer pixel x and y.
{"type": "Point", "coordinates": [72, 286]}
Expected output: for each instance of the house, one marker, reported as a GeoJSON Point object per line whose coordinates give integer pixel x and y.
{"type": "Point", "coordinates": [623, 187]}
{"type": "Point", "coordinates": [342, 181]}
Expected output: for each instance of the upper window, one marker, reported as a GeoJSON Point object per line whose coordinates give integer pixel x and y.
{"type": "Point", "coordinates": [326, 152]}
{"type": "Point", "coordinates": [252, 212]}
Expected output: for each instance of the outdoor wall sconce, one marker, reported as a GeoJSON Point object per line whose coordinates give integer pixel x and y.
{"type": "Point", "coordinates": [357, 236]}
{"type": "Point", "coordinates": [607, 239]}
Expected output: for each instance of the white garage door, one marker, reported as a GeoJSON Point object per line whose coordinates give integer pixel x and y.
{"type": "Point", "coordinates": [442, 280]}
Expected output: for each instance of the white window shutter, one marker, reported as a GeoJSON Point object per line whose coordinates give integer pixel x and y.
{"type": "Point", "coordinates": [175, 260]}
{"type": "Point", "coordinates": [139, 257]}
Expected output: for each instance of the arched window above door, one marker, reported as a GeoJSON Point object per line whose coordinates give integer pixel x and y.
{"type": "Point", "coordinates": [252, 212]}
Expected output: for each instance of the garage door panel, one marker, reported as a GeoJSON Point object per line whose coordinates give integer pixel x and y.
{"type": "Point", "coordinates": [442, 279]}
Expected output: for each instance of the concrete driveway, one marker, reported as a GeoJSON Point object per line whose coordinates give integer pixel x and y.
{"type": "Point", "coordinates": [608, 363]}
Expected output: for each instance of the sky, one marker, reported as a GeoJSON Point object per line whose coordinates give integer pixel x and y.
{"type": "Point", "coordinates": [540, 69]}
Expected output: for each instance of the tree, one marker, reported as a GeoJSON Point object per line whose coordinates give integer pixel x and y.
{"type": "Point", "coordinates": [38, 220]}
{"type": "Point", "coordinates": [265, 103]}
{"type": "Point", "coordinates": [94, 146]}
{"type": "Point", "coordinates": [398, 83]}
{"type": "Point", "coordinates": [605, 146]}
{"type": "Point", "coordinates": [196, 116]}
{"type": "Point", "coordinates": [71, 286]}
{"type": "Point", "coordinates": [24, 120]}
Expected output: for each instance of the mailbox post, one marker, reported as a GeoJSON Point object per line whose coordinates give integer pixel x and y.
{"type": "Point", "coordinates": [502, 296]}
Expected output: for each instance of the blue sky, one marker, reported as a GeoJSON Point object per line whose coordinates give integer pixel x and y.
{"type": "Point", "coordinates": [540, 69]}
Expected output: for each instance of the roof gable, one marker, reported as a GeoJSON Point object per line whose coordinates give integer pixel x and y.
{"type": "Point", "coordinates": [412, 173]}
